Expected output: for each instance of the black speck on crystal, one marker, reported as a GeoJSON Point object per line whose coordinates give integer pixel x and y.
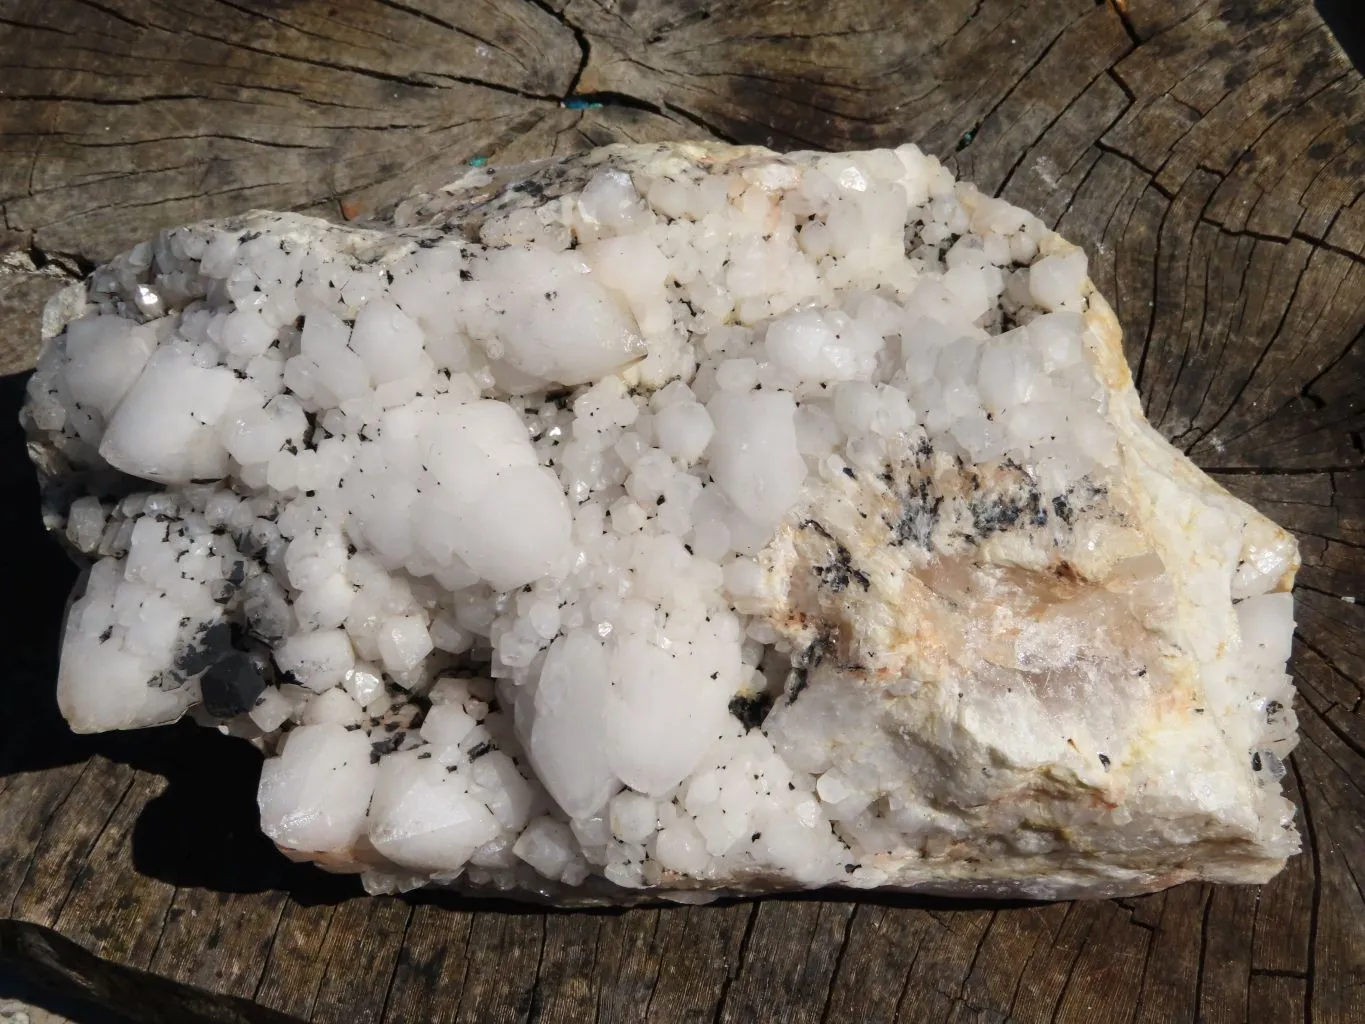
{"type": "Point", "coordinates": [751, 711]}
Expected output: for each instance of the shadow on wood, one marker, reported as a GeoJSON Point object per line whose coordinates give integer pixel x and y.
{"type": "Point", "coordinates": [1346, 19]}
{"type": "Point", "coordinates": [40, 578]}
{"type": "Point", "coordinates": [203, 830]}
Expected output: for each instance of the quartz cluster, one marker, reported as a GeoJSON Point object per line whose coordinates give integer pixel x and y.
{"type": "Point", "coordinates": [667, 521]}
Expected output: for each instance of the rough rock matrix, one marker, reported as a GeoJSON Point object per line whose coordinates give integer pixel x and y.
{"type": "Point", "coordinates": [666, 521]}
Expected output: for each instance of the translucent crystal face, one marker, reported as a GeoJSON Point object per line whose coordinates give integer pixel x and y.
{"type": "Point", "coordinates": [689, 517]}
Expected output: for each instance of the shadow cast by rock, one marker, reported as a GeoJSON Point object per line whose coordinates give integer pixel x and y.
{"type": "Point", "coordinates": [1346, 19]}
{"type": "Point", "coordinates": [204, 830]}
{"type": "Point", "coordinates": [40, 576]}
{"type": "Point", "coordinates": [455, 900]}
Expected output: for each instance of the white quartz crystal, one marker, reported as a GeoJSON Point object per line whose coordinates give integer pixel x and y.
{"type": "Point", "coordinates": [670, 520]}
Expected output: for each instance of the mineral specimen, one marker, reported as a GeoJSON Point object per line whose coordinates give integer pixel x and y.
{"type": "Point", "coordinates": [667, 521]}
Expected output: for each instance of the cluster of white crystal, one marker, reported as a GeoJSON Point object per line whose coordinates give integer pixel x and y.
{"type": "Point", "coordinates": [507, 539]}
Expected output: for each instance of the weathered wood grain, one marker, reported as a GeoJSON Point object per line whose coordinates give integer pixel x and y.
{"type": "Point", "coordinates": [1209, 154]}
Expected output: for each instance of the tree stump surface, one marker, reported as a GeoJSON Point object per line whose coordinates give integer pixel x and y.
{"type": "Point", "coordinates": [1208, 154]}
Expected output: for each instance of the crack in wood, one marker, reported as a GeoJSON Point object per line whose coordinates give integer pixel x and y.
{"type": "Point", "coordinates": [1026, 150]}
{"type": "Point", "coordinates": [1120, 8]}
{"type": "Point", "coordinates": [534, 1007]}
{"type": "Point", "coordinates": [1074, 953]}
{"type": "Point", "coordinates": [33, 855]}
{"type": "Point", "coordinates": [1355, 746]}
{"type": "Point", "coordinates": [1203, 948]}
{"type": "Point", "coordinates": [1202, 310]}
{"type": "Point", "coordinates": [269, 951]}
{"type": "Point", "coordinates": [102, 101]}
{"type": "Point", "coordinates": [1273, 122]}
{"type": "Point", "coordinates": [12, 23]}
{"type": "Point", "coordinates": [1105, 147]}
{"type": "Point", "coordinates": [1270, 972]}
{"type": "Point", "coordinates": [1271, 338]}
{"type": "Point", "coordinates": [449, 26]}
{"type": "Point", "coordinates": [1229, 336]}
{"type": "Point", "coordinates": [733, 970]}
{"type": "Point", "coordinates": [838, 964]}
{"type": "Point", "coordinates": [266, 16]}
{"type": "Point", "coordinates": [1022, 77]}
{"type": "Point", "coordinates": [165, 923]}
{"type": "Point", "coordinates": [112, 13]}
{"type": "Point", "coordinates": [393, 974]}
{"type": "Point", "coordinates": [1140, 371]}
{"type": "Point", "coordinates": [1316, 904]}
{"type": "Point", "coordinates": [580, 38]}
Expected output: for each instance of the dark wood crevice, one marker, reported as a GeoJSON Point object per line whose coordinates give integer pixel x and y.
{"type": "Point", "coordinates": [1208, 154]}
